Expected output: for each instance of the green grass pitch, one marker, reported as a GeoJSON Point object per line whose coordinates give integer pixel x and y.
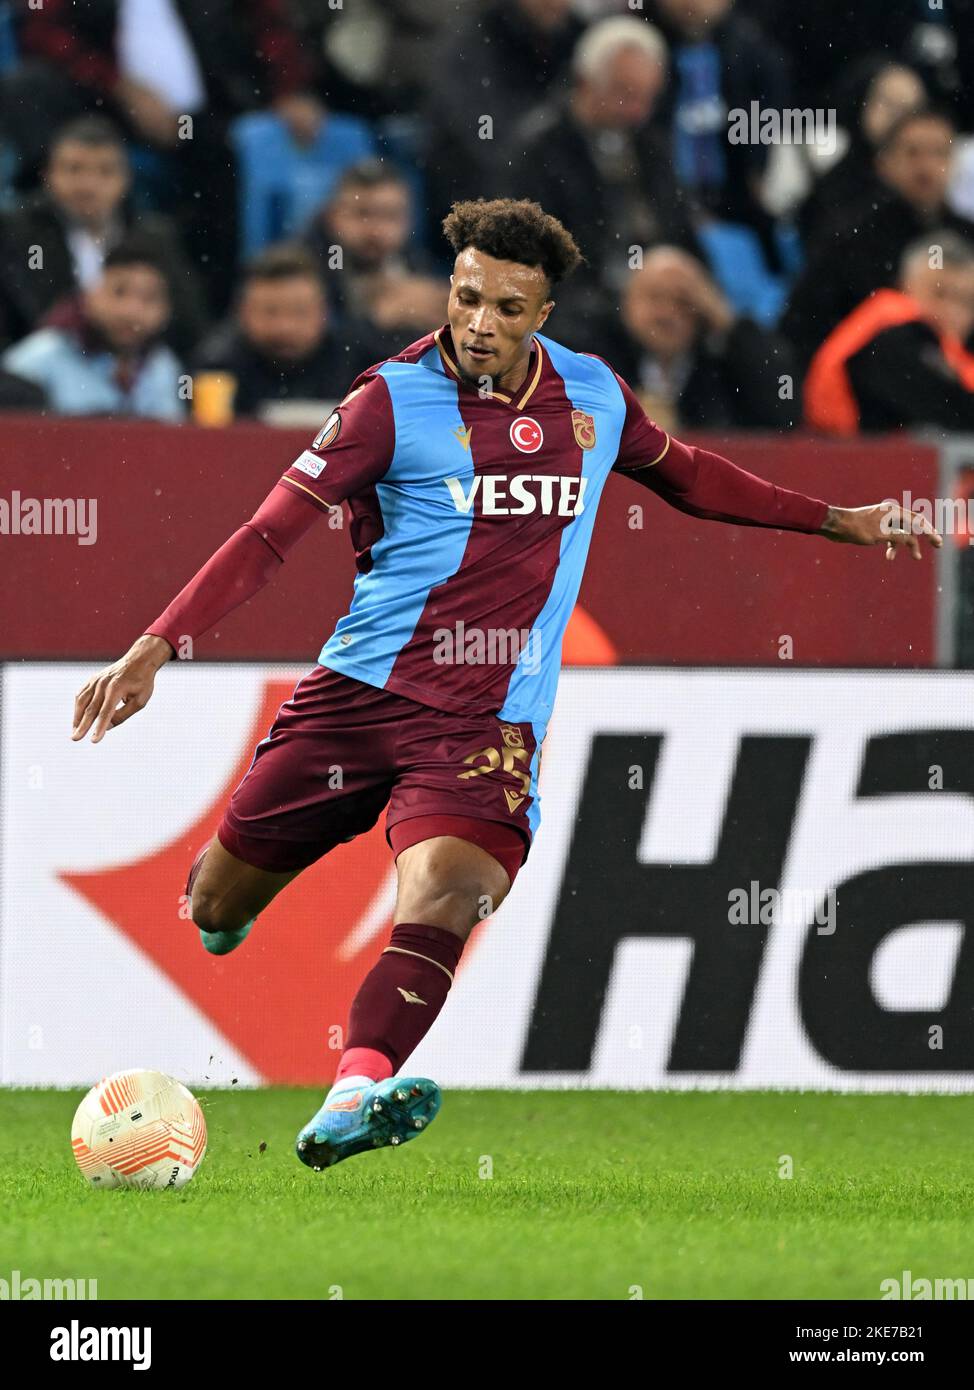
{"type": "Point", "coordinates": [522, 1195]}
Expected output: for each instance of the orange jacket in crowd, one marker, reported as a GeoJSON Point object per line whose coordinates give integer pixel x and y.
{"type": "Point", "coordinates": [830, 402]}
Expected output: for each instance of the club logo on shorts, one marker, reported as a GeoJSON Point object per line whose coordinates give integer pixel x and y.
{"type": "Point", "coordinates": [526, 435]}
{"type": "Point", "coordinates": [329, 431]}
{"type": "Point", "coordinates": [584, 428]}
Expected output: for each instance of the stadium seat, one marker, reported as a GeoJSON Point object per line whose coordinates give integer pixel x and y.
{"type": "Point", "coordinates": [738, 263]}
{"type": "Point", "coordinates": [282, 183]}
{"type": "Point", "coordinates": [399, 140]}
{"type": "Point", "coordinates": [9, 48]}
{"type": "Point", "coordinates": [8, 58]}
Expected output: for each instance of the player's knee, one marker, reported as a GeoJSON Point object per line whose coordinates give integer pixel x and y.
{"type": "Point", "coordinates": [440, 891]}
{"type": "Point", "coordinates": [212, 914]}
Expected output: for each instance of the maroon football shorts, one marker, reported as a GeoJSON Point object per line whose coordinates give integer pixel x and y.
{"type": "Point", "coordinates": [340, 750]}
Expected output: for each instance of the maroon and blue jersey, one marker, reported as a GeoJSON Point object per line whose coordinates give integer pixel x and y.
{"type": "Point", "coordinates": [471, 517]}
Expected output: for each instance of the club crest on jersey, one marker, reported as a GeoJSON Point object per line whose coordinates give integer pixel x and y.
{"type": "Point", "coordinates": [526, 435]}
{"type": "Point", "coordinates": [329, 431]}
{"type": "Point", "coordinates": [584, 428]}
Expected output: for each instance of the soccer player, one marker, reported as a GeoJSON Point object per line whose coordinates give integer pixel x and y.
{"type": "Point", "coordinates": [472, 464]}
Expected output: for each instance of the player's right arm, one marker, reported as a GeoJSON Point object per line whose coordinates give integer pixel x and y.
{"type": "Point", "coordinates": [353, 451]}
{"type": "Point", "coordinates": [238, 570]}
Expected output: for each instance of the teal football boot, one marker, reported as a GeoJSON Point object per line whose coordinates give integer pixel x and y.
{"type": "Point", "coordinates": [360, 1114]}
{"type": "Point", "coordinates": [221, 943]}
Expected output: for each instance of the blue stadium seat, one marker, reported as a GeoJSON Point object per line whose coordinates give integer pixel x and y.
{"type": "Point", "coordinates": [739, 266]}
{"type": "Point", "coordinates": [151, 178]}
{"type": "Point", "coordinates": [282, 183]}
{"type": "Point", "coordinates": [9, 48]}
{"type": "Point", "coordinates": [400, 144]}
{"type": "Point", "coordinates": [9, 54]}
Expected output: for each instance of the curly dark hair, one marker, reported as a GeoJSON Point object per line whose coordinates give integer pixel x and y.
{"type": "Point", "coordinates": [513, 229]}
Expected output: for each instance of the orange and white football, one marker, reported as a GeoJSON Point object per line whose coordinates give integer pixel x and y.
{"type": "Point", "coordinates": [139, 1129]}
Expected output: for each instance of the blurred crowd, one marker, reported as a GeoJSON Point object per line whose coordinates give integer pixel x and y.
{"type": "Point", "coordinates": [230, 209]}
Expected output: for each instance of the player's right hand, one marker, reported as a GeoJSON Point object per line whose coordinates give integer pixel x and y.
{"type": "Point", "coordinates": [121, 690]}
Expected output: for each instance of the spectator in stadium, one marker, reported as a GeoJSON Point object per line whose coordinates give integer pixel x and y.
{"type": "Point", "coordinates": [372, 275]}
{"type": "Point", "coordinates": [595, 160]}
{"type": "Point", "coordinates": [373, 58]}
{"type": "Point", "coordinates": [900, 359]}
{"type": "Point", "coordinates": [933, 37]}
{"type": "Point", "coordinates": [692, 360]}
{"type": "Point", "coordinates": [154, 66]}
{"type": "Point", "coordinates": [871, 97]}
{"type": "Point", "coordinates": [862, 253]}
{"type": "Point", "coordinates": [720, 61]}
{"type": "Point", "coordinates": [54, 244]}
{"type": "Point", "coordinates": [504, 59]}
{"type": "Point", "coordinates": [279, 345]}
{"type": "Point", "coordinates": [101, 352]}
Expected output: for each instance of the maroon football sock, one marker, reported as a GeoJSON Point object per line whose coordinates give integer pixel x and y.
{"type": "Point", "coordinates": [402, 994]}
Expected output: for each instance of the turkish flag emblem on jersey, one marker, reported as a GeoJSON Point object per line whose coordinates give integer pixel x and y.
{"type": "Point", "coordinates": [584, 428]}
{"type": "Point", "coordinates": [526, 435]}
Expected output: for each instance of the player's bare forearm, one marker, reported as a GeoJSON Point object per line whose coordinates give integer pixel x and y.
{"type": "Point", "coordinates": [120, 690]}
{"type": "Point", "coordinates": [154, 649]}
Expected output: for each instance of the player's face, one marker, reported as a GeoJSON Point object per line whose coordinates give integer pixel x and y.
{"type": "Point", "coordinates": [372, 224]}
{"type": "Point", "coordinates": [917, 164]}
{"type": "Point", "coordinates": [88, 182]}
{"type": "Point", "coordinates": [495, 306]}
{"type": "Point", "coordinates": [130, 305]}
{"type": "Point", "coordinates": [284, 319]}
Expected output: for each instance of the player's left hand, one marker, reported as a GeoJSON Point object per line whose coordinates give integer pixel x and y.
{"type": "Point", "coordinates": [886, 523]}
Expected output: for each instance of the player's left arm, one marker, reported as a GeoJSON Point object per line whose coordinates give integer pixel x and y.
{"type": "Point", "coordinates": [706, 485]}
